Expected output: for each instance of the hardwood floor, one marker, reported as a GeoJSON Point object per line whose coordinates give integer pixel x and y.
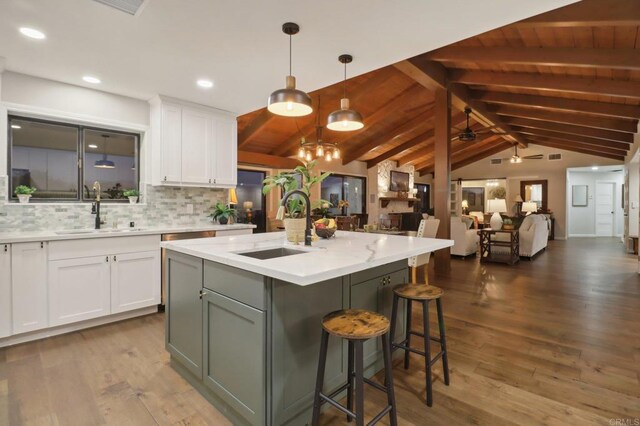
{"type": "Point", "coordinates": [552, 341]}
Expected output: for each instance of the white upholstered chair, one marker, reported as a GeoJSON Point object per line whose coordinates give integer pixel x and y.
{"type": "Point", "coordinates": [427, 229]}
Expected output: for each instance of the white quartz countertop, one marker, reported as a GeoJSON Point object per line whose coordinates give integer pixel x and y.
{"type": "Point", "coordinates": [345, 253]}
{"type": "Point", "coordinates": [76, 234]}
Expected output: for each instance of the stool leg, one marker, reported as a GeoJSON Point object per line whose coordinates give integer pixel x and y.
{"type": "Point", "coordinates": [408, 333]}
{"type": "Point", "coordinates": [394, 319]}
{"type": "Point", "coordinates": [427, 350]}
{"type": "Point", "coordinates": [359, 353]}
{"type": "Point", "coordinates": [350, 380]}
{"type": "Point", "coordinates": [388, 378]}
{"type": "Point", "coordinates": [324, 342]}
{"type": "Point", "coordinates": [443, 342]}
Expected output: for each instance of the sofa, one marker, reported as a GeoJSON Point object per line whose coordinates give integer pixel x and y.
{"type": "Point", "coordinates": [464, 236]}
{"type": "Point", "coordinates": [534, 235]}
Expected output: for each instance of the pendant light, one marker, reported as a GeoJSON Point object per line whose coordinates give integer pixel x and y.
{"type": "Point", "coordinates": [515, 158]}
{"type": "Point", "coordinates": [345, 119]}
{"type": "Point", "coordinates": [104, 163]}
{"type": "Point", "coordinates": [321, 149]}
{"type": "Point", "coordinates": [290, 102]}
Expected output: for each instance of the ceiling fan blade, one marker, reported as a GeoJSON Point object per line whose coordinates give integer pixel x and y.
{"type": "Point", "coordinates": [534, 157]}
{"type": "Point", "coordinates": [455, 138]}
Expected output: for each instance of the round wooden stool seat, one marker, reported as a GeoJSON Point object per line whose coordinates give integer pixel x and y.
{"type": "Point", "coordinates": [418, 291]}
{"type": "Point", "coordinates": [355, 324]}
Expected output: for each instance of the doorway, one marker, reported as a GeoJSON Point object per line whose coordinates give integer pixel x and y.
{"type": "Point", "coordinates": [605, 209]}
{"type": "Point", "coordinates": [251, 201]}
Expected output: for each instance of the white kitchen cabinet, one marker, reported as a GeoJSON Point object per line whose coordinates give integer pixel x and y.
{"type": "Point", "coordinates": [79, 289]}
{"type": "Point", "coordinates": [135, 280]}
{"type": "Point", "coordinates": [192, 145]}
{"type": "Point", "coordinates": [198, 141]}
{"type": "Point", "coordinates": [29, 286]}
{"type": "Point", "coordinates": [170, 143]}
{"type": "Point", "coordinates": [5, 290]}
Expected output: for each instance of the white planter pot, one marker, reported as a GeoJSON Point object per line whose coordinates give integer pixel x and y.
{"type": "Point", "coordinates": [295, 229]}
{"type": "Point", "coordinates": [24, 198]}
{"type": "Point", "coordinates": [133, 200]}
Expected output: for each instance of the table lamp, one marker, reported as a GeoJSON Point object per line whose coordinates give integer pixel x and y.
{"type": "Point", "coordinates": [248, 205]}
{"type": "Point", "coordinates": [529, 207]}
{"type": "Point", "coordinates": [518, 200]}
{"type": "Point", "coordinates": [233, 197]}
{"type": "Point", "coordinates": [496, 206]}
{"type": "Point", "coordinates": [465, 207]}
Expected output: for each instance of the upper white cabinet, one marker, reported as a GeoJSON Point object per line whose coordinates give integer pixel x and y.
{"type": "Point", "coordinates": [5, 290]}
{"type": "Point", "coordinates": [192, 145]}
{"type": "Point", "coordinates": [29, 286]}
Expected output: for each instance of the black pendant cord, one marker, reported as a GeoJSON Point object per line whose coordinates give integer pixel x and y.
{"type": "Point", "coordinates": [344, 82]}
{"type": "Point", "coordinates": [290, 47]}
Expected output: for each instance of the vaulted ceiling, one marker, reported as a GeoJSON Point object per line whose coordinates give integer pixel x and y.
{"type": "Point", "coordinates": [566, 79]}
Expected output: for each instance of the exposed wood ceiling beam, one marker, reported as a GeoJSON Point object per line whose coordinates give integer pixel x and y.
{"type": "Point", "coordinates": [456, 120]}
{"type": "Point", "coordinates": [484, 154]}
{"type": "Point", "coordinates": [597, 86]}
{"type": "Point", "coordinates": [579, 150]}
{"type": "Point", "coordinates": [244, 137]}
{"type": "Point", "coordinates": [563, 104]}
{"type": "Point", "coordinates": [462, 150]}
{"type": "Point", "coordinates": [609, 135]}
{"type": "Point", "coordinates": [375, 139]}
{"type": "Point", "coordinates": [266, 160]}
{"type": "Point", "coordinates": [587, 13]}
{"type": "Point", "coordinates": [291, 144]}
{"type": "Point", "coordinates": [628, 59]}
{"type": "Point", "coordinates": [569, 137]}
{"type": "Point", "coordinates": [431, 74]}
{"type": "Point", "coordinates": [620, 125]}
{"type": "Point", "coordinates": [594, 148]}
{"type": "Point", "coordinates": [420, 154]}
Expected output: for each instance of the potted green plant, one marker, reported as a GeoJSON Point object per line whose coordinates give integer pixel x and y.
{"type": "Point", "coordinates": [132, 195]}
{"type": "Point", "coordinates": [222, 213]}
{"type": "Point", "coordinates": [24, 192]}
{"type": "Point", "coordinates": [507, 224]}
{"type": "Point", "coordinates": [295, 210]}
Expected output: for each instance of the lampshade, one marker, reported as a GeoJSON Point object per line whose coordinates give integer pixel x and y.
{"type": "Point", "coordinates": [465, 204]}
{"type": "Point", "coordinates": [496, 206]}
{"type": "Point", "coordinates": [104, 163]}
{"type": "Point", "coordinates": [518, 199]}
{"type": "Point", "coordinates": [247, 205]}
{"type": "Point", "coordinates": [529, 207]}
{"type": "Point", "coordinates": [345, 119]}
{"type": "Point", "coordinates": [233, 197]}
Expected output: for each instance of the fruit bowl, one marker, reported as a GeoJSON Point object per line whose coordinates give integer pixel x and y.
{"type": "Point", "coordinates": [325, 232]}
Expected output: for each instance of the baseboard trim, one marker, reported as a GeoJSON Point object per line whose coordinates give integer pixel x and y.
{"type": "Point", "coordinates": [582, 235]}
{"type": "Point", "coordinates": [68, 328]}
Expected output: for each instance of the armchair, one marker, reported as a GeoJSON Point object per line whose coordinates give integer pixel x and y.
{"type": "Point", "coordinates": [465, 239]}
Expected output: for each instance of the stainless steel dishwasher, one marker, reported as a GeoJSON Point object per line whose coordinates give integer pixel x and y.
{"type": "Point", "coordinates": [174, 237]}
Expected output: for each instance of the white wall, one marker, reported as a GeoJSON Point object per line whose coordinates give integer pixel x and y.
{"type": "Point", "coordinates": [634, 196]}
{"type": "Point", "coordinates": [582, 220]}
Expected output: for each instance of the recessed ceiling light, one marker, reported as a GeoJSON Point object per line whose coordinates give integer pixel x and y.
{"type": "Point", "coordinates": [16, 126]}
{"type": "Point", "coordinates": [92, 145]}
{"type": "Point", "coordinates": [207, 84]}
{"type": "Point", "coordinates": [32, 33]}
{"type": "Point", "coordinates": [92, 80]}
{"type": "Point", "coordinates": [594, 168]}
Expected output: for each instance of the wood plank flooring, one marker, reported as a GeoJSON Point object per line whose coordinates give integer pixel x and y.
{"type": "Point", "coordinates": [552, 341]}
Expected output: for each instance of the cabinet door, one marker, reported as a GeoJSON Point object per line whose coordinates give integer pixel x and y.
{"type": "Point", "coordinates": [135, 280]}
{"type": "Point", "coordinates": [234, 355]}
{"type": "Point", "coordinates": [78, 289]}
{"type": "Point", "coordinates": [386, 303]}
{"type": "Point", "coordinates": [171, 137]}
{"type": "Point", "coordinates": [225, 164]}
{"type": "Point", "coordinates": [29, 286]}
{"type": "Point", "coordinates": [5, 290]}
{"type": "Point", "coordinates": [365, 295]}
{"type": "Point", "coordinates": [183, 316]}
{"type": "Point", "coordinates": [197, 146]}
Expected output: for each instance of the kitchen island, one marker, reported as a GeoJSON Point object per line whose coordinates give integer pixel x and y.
{"type": "Point", "coordinates": [244, 313]}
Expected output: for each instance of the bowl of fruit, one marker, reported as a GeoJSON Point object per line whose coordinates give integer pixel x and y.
{"type": "Point", "coordinates": [325, 228]}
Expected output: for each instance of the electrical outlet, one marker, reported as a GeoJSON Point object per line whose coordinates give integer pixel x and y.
{"type": "Point", "coordinates": [189, 208]}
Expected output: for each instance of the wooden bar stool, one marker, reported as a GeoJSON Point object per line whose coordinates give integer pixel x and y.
{"type": "Point", "coordinates": [423, 293]}
{"type": "Point", "coordinates": [357, 326]}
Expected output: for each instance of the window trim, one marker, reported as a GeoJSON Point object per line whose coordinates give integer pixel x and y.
{"type": "Point", "coordinates": [80, 128]}
{"type": "Point", "coordinates": [364, 193]}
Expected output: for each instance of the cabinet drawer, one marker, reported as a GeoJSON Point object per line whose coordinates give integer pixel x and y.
{"type": "Point", "coordinates": [71, 249]}
{"type": "Point", "coordinates": [243, 286]}
{"type": "Point", "coordinates": [230, 232]}
{"type": "Point", "coordinates": [384, 270]}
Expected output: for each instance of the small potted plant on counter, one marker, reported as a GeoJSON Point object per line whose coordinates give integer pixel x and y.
{"type": "Point", "coordinates": [132, 195]}
{"type": "Point", "coordinates": [24, 193]}
{"type": "Point", "coordinates": [222, 213]}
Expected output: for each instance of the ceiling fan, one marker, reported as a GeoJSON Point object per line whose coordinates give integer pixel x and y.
{"type": "Point", "coordinates": [468, 134]}
{"type": "Point", "coordinates": [516, 159]}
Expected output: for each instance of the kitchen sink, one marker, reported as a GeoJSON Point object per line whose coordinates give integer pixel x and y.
{"type": "Point", "coordinates": [272, 253]}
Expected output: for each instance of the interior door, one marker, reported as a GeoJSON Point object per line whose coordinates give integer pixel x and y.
{"type": "Point", "coordinates": [605, 209]}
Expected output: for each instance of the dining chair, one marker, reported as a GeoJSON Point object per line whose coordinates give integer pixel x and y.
{"type": "Point", "coordinates": [427, 229]}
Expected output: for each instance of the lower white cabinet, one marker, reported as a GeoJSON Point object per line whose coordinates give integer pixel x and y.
{"type": "Point", "coordinates": [5, 290]}
{"type": "Point", "coordinates": [79, 289]}
{"type": "Point", "coordinates": [135, 280]}
{"type": "Point", "coordinates": [29, 286]}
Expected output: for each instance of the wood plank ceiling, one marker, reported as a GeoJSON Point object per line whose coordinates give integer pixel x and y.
{"type": "Point", "coordinates": [567, 79]}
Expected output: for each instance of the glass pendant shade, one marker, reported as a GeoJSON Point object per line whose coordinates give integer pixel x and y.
{"type": "Point", "coordinates": [345, 119]}
{"type": "Point", "coordinates": [104, 163]}
{"type": "Point", "coordinates": [290, 102]}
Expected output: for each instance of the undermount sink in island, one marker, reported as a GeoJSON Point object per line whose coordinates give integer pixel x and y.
{"type": "Point", "coordinates": [244, 313]}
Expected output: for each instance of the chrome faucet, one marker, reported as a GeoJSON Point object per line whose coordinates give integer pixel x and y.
{"type": "Point", "coordinates": [283, 203]}
{"type": "Point", "coordinates": [95, 207]}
